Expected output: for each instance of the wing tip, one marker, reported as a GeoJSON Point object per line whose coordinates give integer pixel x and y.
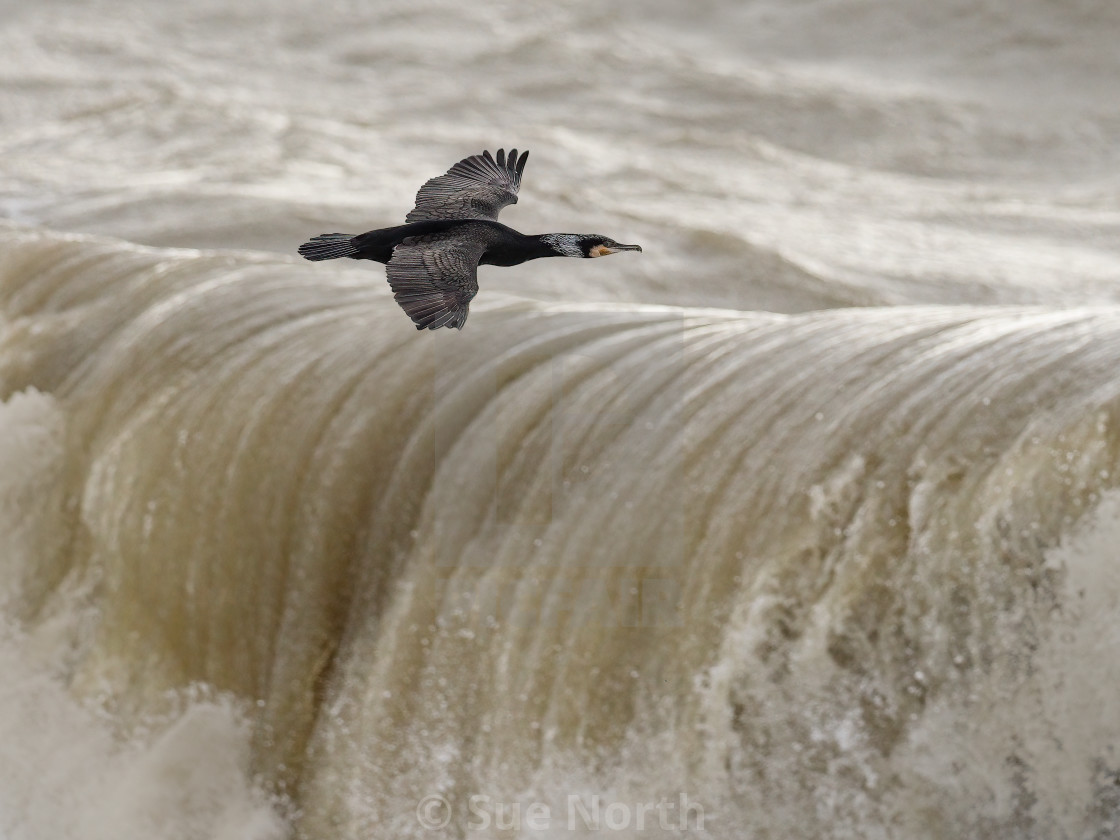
{"type": "Point", "coordinates": [513, 162]}
{"type": "Point", "coordinates": [451, 319]}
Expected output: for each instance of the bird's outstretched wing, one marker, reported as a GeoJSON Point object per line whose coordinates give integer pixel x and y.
{"type": "Point", "coordinates": [475, 188]}
{"type": "Point", "coordinates": [434, 278]}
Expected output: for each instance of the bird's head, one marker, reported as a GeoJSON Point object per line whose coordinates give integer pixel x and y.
{"type": "Point", "coordinates": [586, 244]}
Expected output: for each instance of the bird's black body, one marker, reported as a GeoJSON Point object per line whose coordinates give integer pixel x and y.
{"type": "Point", "coordinates": [432, 259]}
{"type": "Point", "coordinates": [505, 246]}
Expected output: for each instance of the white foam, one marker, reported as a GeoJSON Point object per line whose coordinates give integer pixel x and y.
{"type": "Point", "coordinates": [67, 774]}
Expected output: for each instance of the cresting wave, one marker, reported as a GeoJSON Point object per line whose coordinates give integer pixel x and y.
{"type": "Point", "coordinates": [835, 574]}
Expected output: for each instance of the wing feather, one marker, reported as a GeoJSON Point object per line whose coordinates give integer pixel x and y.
{"type": "Point", "coordinates": [435, 277]}
{"type": "Point", "coordinates": [477, 187]}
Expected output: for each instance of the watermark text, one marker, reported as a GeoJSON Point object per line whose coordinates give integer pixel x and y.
{"type": "Point", "coordinates": [578, 812]}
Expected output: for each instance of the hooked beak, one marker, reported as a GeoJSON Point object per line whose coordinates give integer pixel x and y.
{"type": "Point", "coordinates": [604, 250]}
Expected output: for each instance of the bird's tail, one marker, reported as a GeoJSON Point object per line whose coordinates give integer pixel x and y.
{"type": "Point", "coordinates": [329, 246]}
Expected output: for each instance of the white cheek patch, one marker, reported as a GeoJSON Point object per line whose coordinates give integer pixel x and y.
{"type": "Point", "coordinates": [566, 243]}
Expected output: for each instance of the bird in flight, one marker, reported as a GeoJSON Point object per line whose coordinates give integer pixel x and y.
{"type": "Point", "coordinates": [432, 260]}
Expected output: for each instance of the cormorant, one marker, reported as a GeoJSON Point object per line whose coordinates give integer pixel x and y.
{"type": "Point", "coordinates": [432, 260]}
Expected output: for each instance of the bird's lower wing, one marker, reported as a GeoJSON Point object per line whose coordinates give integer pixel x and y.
{"type": "Point", "coordinates": [434, 278]}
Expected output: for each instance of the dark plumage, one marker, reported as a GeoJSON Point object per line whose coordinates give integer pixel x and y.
{"type": "Point", "coordinates": [432, 260]}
